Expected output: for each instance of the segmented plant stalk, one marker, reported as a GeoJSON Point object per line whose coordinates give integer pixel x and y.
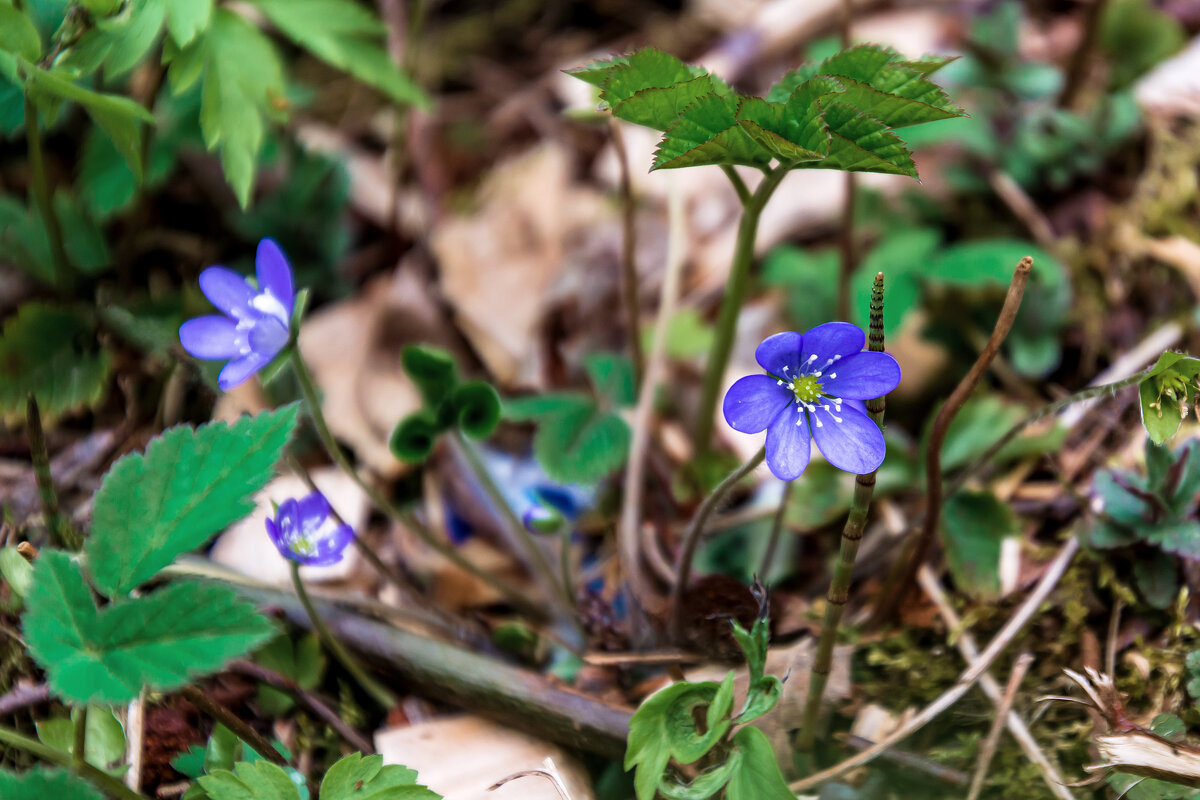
{"type": "Point", "coordinates": [60, 529]}
{"type": "Point", "coordinates": [373, 687]}
{"type": "Point", "coordinates": [852, 533]}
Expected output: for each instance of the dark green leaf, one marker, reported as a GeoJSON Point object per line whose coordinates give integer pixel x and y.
{"type": "Point", "coordinates": [52, 353]}
{"type": "Point", "coordinates": [758, 777]}
{"type": "Point", "coordinates": [258, 780]}
{"type": "Point", "coordinates": [974, 527]}
{"type": "Point", "coordinates": [432, 370]}
{"type": "Point", "coordinates": [18, 34]}
{"type": "Point", "coordinates": [187, 486]}
{"type": "Point", "coordinates": [708, 132]}
{"type": "Point", "coordinates": [346, 36]}
{"type": "Point", "coordinates": [41, 783]}
{"type": "Point", "coordinates": [356, 777]}
{"type": "Point", "coordinates": [476, 408]}
{"type": "Point", "coordinates": [413, 437]}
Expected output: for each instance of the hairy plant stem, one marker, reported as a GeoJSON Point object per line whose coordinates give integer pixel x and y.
{"type": "Point", "coordinates": [695, 531]}
{"type": "Point", "coordinates": [735, 296]}
{"type": "Point", "coordinates": [904, 571]}
{"type": "Point", "coordinates": [535, 555]}
{"type": "Point", "coordinates": [443, 548]}
{"type": "Point", "coordinates": [373, 687]}
{"type": "Point", "coordinates": [40, 189]}
{"type": "Point", "coordinates": [843, 571]}
{"type": "Point", "coordinates": [239, 727]}
{"type": "Point", "coordinates": [629, 277]}
{"type": "Point", "coordinates": [98, 778]}
{"type": "Point", "coordinates": [64, 535]}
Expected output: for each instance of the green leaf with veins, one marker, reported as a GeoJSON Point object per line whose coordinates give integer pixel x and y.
{"type": "Point", "coordinates": [40, 783]}
{"type": "Point", "coordinates": [346, 36]}
{"type": "Point", "coordinates": [708, 132]}
{"type": "Point", "coordinates": [358, 777]}
{"type": "Point", "coordinates": [162, 640]}
{"type": "Point", "coordinates": [188, 485]}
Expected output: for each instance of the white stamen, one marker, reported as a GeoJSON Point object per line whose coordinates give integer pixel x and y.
{"type": "Point", "coordinates": [800, 421]}
{"type": "Point", "coordinates": [811, 358]}
{"type": "Point", "coordinates": [785, 369]}
{"type": "Point", "coordinates": [779, 383]}
{"type": "Point", "coordinates": [819, 425]}
{"type": "Point", "coordinates": [816, 374]}
{"type": "Point", "coordinates": [832, 375]}
{"type": "Point", "coordinates": [811, 407]}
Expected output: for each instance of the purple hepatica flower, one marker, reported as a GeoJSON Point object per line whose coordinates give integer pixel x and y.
{"type": "Point", "coordinates": [814, 387]}
{"type": "Point", "coordinates": [304, 532]}
{"type": "Point", "coordinates": [253, 325]}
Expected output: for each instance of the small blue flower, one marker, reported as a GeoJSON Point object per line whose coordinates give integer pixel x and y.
{"type": "Point", "coordinates": [253, 325]}
{"type": "Point", "coordinates": [814, 388]}
{"type": "Point", "coordinates": [304, 531]}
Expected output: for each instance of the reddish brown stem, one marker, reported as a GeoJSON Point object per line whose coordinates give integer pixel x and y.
{"type": "Point", "coordinates": [901, 579]}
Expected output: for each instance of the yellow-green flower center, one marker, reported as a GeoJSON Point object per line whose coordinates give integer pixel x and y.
{"type": "Point", "coordinates": [806, 388]}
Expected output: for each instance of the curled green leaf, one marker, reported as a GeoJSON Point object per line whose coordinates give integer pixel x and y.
{"type": "Point", "coordinates": [476, 408]}
{"type": "Point", "coordinates": [413, 437]}
{"type": "Point", "coordinates": [432, 370]}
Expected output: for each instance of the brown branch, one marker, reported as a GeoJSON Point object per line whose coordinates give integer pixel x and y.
{"type": "Point", "coordinates": [239, 726]}
{"type": "Point", "coordinates": [988, 751]}
{"type": "Point", "coordinates": [901, 579]}
{"type": "Point", "coordinates": [307, 699]}
{"type": "Point", "coordinates": [23, 697]}
{"type": "Point", "coordinates": [1081, 58]}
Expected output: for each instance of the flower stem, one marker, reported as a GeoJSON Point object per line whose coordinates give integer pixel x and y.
{"type": "Point", "coordinates": [443, 548]}
{"type": "Point", "coordinates": [98, 778]}
{"type": "Point", "coordinates": [40, 189]}
{"type": "Point", "coordinates": [64, 535]}
{"type": "Point", "coordinates": [843, 571]}
{"type": "Point", "coordinates": [731, 305]}
{"type": "Point", "coordinates": [768, 558]}
{"type": "Point", "coordinates": [691, 538]}
{"type": "Point", "coordinates": [534, 553]}
{"type": "Point", "coordinates": [377, 690]}
{"type": "Point", "coordinates": [629, 276]}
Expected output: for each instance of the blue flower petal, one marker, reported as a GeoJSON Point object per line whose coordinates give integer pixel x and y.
{"type": "Point", "coordinates": [236, 372]}
{"type": "Point", "coordinates": [331, 547]}
{"type": "Point", "coordinates": [788, 448]}
{"type": "Point", "coordinates": [312, 511]}
{"type": "Point", "coordinates": [210, 337]}
{"type": "Point", "coordinates": [829, 340]}
{"type": "Point", "coordinates": [228, 291]}
{"type": "Point", "coordinates": [273, 273]}
{"type": "Point", "coordinates": [267, 337]}
{"type": "Point", "coordinates": [780, 351]}
{"type": "Point", "coordinates": [854, 445]}
{"type": "Point", "coordinates": [752, 402]}
{"type": "Point", "coordinates": [862, 376]}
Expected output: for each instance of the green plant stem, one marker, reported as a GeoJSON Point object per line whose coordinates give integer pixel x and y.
{"type": "Point", "coordinates": [40, 188]}
{"type": "Point", "coordinates": [691, 539]}
{"type": "Point", "coordinates": [443, 548]}
{"type": "Point", "coordinates": [64, 535]}
{"type": "Point", "coordinates": [238, 726]}
{"type": "Point", "coordinates": [98, 778]}
{"type": "Point", "coordinates": [1082, 395]}
{"type": "Point", "coordinates": [377, 690]}
{"type": "Point", "coordinates": [768, 559]}
{"type": "Point", "coordinates": [80, 746]}
{"type": "Point", "coordinates": [739, 185]}
{"type": "Point", "coordinates": [533, 552]}
{"type": "Point", "coordinates": [731, 305]}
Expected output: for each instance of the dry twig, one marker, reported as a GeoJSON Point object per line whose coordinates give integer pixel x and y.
{"type": "Point", "coordinates": [988, 751]}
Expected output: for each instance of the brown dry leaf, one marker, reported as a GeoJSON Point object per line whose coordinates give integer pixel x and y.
{"type": "Point", "coordinates": [499, 264]}
{"type": "Point", "coordinates": [353, 350]}
{"type": "Point", "coordinates": [460, 757]}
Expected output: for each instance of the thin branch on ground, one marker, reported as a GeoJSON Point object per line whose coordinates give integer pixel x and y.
{"type": "Point", "coordinates": [1002, 640]}
{"type": "Point", "coordinates": [214, 710]}
{"type": "Point", "coordinates": [988, 751]}
{"type": "Point", "coordinates": [965, 643]}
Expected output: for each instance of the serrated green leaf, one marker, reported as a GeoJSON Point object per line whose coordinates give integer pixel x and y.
{"type": "Point", "coordinates": [188, 485]}
{"type": "Point", "coordinates": [974, 527]}
{"type": "Point", "coordinates": [794, 133]}
{"type": "Point", "coordinates": [52, 353]}
{"type": "Point", "coordinates": [861, 143]}
{"type": "Point", "coordinates": [119, 117]}
{"type": "Point", "coordinates": [243, 82]}
{"type": "Point", "coordinates": [344, 35]}
{"type": "Point", "coordinates": [162, 640]}
{"type": "Point", "coordinates": [356, 777]}
{"type": "Point", "coordinates": [188, 18]}
{"type": "Point", "coordinates": [708, 132]}
{"type": "Point", "coordinates": [18, 35]}
{"type": "Point", "coordinates": [889, 88]}
{"type": "Point", "coordinates": [40, 783]}
{"type": "Point", "coordinates": [653, 88]}
{"type": "Point", "coordinates": [597, 72]}
{"type": "Point", "coordinates": [258, 780]}
{"type": "Point", "coordinates": [1181, 537]}
{"type": "Point", "coordinates": [758, 776]}
{"type": "Point", "coordinates": [132, 33]}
